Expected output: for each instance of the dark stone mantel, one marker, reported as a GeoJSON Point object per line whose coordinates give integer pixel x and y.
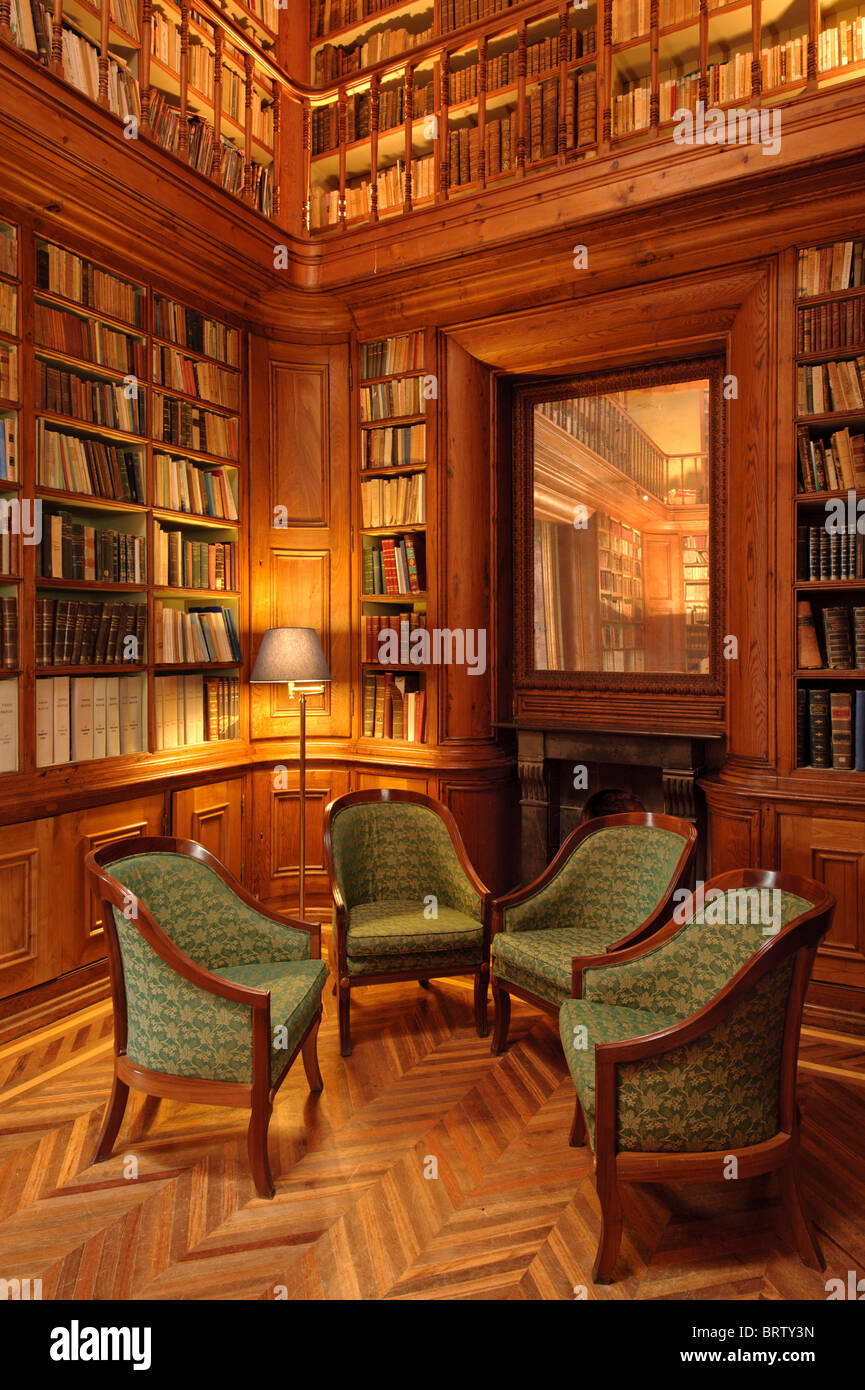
{"type": "Point", "coordinates": [675, 760]}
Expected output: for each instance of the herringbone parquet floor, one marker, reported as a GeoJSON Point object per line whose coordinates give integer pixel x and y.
{"type": "Point", "coordinates": [427, 1169]}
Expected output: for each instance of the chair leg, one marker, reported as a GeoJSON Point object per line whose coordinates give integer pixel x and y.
{"type": "Point", "coordinates": [804, 1236]}
{"type": "Point", "coordinates": [482, 978]}
{"type": "Point", "coordinates": [611, 1223]}
{"type": "Point", "coordinates": [344, 1018]}
{"type": "Point", "coordinates": [256, 1142]}
{"type": "Point", "coordinates": [502, 1002]}
{"type": "Point", "coordinates": [578, 1127]}
{"type": "Point", "coordinates": [114, 1113]}
{"type": "Point", "coordinates": [424, 984]}
{"type": "Point", "coordinates": [310, 1056]}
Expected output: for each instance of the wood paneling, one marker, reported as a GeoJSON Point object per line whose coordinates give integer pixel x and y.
{"type": "Point", "coordinates": [212, 815]}
{"type": "Point", "coordinates": [276, 831]}
{"type": "Point", "coordinates": [299, 458]}
{"type": "Point", "coordinates": [29, 940]}
{"type": "Point", "coordinates": [78, 917]}
{"type": "Point", "coordinates": [487, 816]}
{"type": "Point", "coordinates": [833, 852]}
{"type": "Point", "coordinates": [362, 781]}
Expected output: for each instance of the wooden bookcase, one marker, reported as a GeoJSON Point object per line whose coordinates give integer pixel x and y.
{"type": "Point", "coordinates": [396, 469]}
{"type": "Point", "coordinates": [97, 328]}
{"type": "Point", "coordinates": [10, 496]}
{"type": "Point", "coordinates": [200, 90]}
{"type": "Point", "coordinates": [829, 328]}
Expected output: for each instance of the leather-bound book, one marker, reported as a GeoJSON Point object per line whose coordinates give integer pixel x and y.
{"type": "Point", "coordinates": [841, 714]}
{"type": "Point", "coordinates": [809, 657]}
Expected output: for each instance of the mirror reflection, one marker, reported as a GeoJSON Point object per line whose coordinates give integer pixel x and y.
{"type": "Point", "coordinates": [621, 531]}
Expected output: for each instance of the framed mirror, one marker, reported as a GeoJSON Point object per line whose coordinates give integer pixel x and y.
{"type": "Point", "coordinates": [619, 529]}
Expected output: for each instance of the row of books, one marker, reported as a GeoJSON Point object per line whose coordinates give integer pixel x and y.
{"type": "Point", "coordinates": [8, 308]}
{"type": "Point", "coordinates": [192, 427]}
{"type": "Point", "coordinates": [388, 399]}
{"type": "Point", "coordinates": [611, 583]}
{"type": "Point", "coordinates": [71, 463]}
{"type": "Point", "coordinates": [825, 729]}
{"type": "Point", "coordinates": [630, 19]}
{"type": "Point", "coordinates": [90, 339]}
{"type": "Point", "coordinates": [80, 718]}
{"type": "Point", "coordinates": [63, 273]}
{"type": "Point", "coordinates": [165, 127]}
{"type": "Point", "coordinates": [183, 563]}
{"type": "Point", "coordinates": [833, 463]}
{"type": "Point", "coordinates": [390, 566]}
{"type": "Point", "coordinates": [843, 631]}
{"type": "Point", "coordinates": [101, 402]}
{"type": "Point", "coordinates": [9, 633]}
{"type": "Point", "coordinates": [8, 249]}
{"type": "Point", "coordinates": [8, 552]}
{"type": "Point", "coordinates": [81, 70]}
{"type": "Point", "coordinates": [334, 61]}
{"type": "Point", "coordinates": [327, 15]}
{"type": "Point", "coordinates": [202, 379]}
{"type": "Point", "coordinates": [840, 323]}
{"type": "Point", "coordinates": [193, 710]}
{"type": "Point", "coordinates": [200, 635]}
{"type": "Point", "coordinates": [8, 371]}
{"type": "Point", "coordinates": [842, 45]}
{"type": "Point", "coordinates": [191, 329]}
{"type": "Point", "coordinates": [397, 625]}
{"type": "Point", "coordinates": [390, 187]}
{"type": "Point", "coordinates": [9, 709]}
{"type": "Point", "coordinates": [615, 609]}
{"type": "Point", "coordinates": [784, 63]}
{"type": "Point", "coordinates": [824, 554]}
{"type": "Point", "coordinates": [617, 537]}
{"type": "Point", "coordinates": [8, 449]}
{"type": "Point", "coordinates": [73, 550]}
{"type": "Point", "coordinates": [394, 446]}
{"type": "Point", "coordinates": [403, 353]}
{"type": "Point", "coordinates": [394, 706]}
{"type": "Point", "coordinates": [827, 269]}
{"type": "Point", "coordinates": [180, 486]}
{"type": "Point", "coordinates": [124, 13]}
{"type": "Point", "coordinates": [831, 386]}
{"type": "Point", "coordinates": [393, 501]}
{"type": "Point", "coordinates": [629, 659]}
{"type": "Point", "coordinates": [70, 632]}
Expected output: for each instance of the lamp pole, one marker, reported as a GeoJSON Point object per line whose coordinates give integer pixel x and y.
{"type": "Point", "coordinates": [302, 803]}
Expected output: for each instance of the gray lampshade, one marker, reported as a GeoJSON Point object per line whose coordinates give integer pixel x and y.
{"type": "Point", "coordinates": [290, 654]}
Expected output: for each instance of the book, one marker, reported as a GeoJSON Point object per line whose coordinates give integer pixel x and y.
{"type": "Point", "coordinates": [808, 649]}
{"type": "Point", "coordinates": [841, 716]}
{"type": "Point", "coordinates": [819, 728]}
{"type": "Point", "coordinates": [8, 726]}
{"type": "Point", "coordinates": [839, 654]}
{"type": "Point", "coordinates": [859, 731]}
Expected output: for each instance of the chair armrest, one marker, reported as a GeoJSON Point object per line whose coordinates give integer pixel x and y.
{"type": "Point", "coordinates": [606, 962]}
{"type": "Point", "coordinates": [312, 928]}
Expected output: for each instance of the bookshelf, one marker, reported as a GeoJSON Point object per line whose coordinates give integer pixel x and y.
{"type": "Point", "coordinates": [620, 591]}
{"type": "Point", "coordinates": [204, 88]}
{"type": "Point", "coordinates": [829, 443]}
{"type": "Point", "coordinates": [131, 599]}
{"type": "Point", "coordinates": [396, 449]}
{"type": "Point", "coordinates": [10, 494]}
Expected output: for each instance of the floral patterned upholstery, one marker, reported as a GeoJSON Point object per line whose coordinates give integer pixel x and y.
{"type": "Point", "coordinates": [613, 880]}
{"type": "Point", "coordinates": [720, 1091]}
{"type": "Point", "coordinates": [176, 1027]}
{"type": "Point", "coordinates": [390, 858]}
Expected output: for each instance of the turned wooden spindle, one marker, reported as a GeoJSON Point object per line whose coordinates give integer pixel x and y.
{"type": "Point", "coordinates": [276, 200]}
{"type": "Point", "coordinates": [408, 103]}
{"type": "Point", "coordinates": [444, 142]}
{"type": "Point", "coordinates": [105, 19]}
{"type": "Point", "coordinates": [704, 52]}
{"type": "Point", "coordinates": [184, 79]}
{"type": "Point", "coordinates": [342, 121]}
{"type": "Point", "coordinates": [57, 39]}
{"type": "Point", "coordinates": [144, 61]}
{"type": "Point", "coordinates": [608, 73]}
{"type": "Point", "coordinates": [562, 137]}
{"type": "Point", "coordinates": [249, 70]}
{"type": "Point", "coordinates": [522, 67]}
{"type": "Point", "coordinates": [5, 18]}
{"type": "Point", "coordinates": [813, 41]}
{"type": "Point", "coordinates": [655, 97]}
{"type": "Point", "coordinates": [374, 96]}
{"type": "Point", "coordinates": [218, 146]}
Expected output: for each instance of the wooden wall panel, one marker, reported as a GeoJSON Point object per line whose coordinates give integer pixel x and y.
{"type": "Point", "coordinates": [488, 819]}
{"type": "Point", "coordinates": [212, 815]}
{"type": "Point", "coordinates": [78, 918]}
{"type": "Point", "coordinates": [29, 941]}
{"type": "Point", "coordinates": [833, 852]}
{"type": "Point", "coordinates": [734, 840]}
{"type": "Point", "coordinates": [408, 782]}
{"type": "Point", "coordinates": [276, 830]}
{"type": "Point", "coordinates": [300, 525]}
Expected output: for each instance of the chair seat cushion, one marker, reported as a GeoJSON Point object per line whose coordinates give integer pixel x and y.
{"type": "Point", "coordinates": [295, 997]}
{"type": "Point", "coordinates": [603, 1023]}
{"type": "Point", "coordinates": [398, 927]}
{"type": "Point", "coordinates": [540, 961]}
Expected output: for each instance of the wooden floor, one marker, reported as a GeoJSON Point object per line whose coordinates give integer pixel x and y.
{"type": "Point", "coordinates": [512, 1213]}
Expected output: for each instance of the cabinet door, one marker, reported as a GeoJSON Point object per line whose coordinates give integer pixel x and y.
{"type": "Point", "coordinates": [76, 834]}
{"type": "Point", "coordinates": [29, 940]}
{"type": "Point", "coordinates": [833, 852]}
{"type": "Point", "coordinates": [277, 836]}
{"type": "Point", "coordinates": [212, 815]}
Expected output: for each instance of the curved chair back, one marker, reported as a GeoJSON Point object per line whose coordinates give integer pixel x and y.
{"type": "Point", "coordinates": [387, 844]}
{"type": "Point", "coordinates": [618, 872]}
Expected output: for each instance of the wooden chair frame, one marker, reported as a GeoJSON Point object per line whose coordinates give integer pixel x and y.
{"type": "Point", "coordinates": [345, 982]}
{"type": "Point", "coordinates": [258, 1096]}
{"type": "Point", "coordinates": [503, 989]}
{"type": "Point", "coordinates": [780, 1153]}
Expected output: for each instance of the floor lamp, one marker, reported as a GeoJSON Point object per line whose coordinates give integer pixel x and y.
{"type": "Point", "coordinates": [293, 656]}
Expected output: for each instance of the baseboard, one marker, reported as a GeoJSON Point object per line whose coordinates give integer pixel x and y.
{"type": "Point", "coordinates": [46, 1003]}
{"type": "Point", "coordinates": [834, 1020]}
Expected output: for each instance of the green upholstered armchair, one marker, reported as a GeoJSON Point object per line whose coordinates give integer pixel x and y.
{"type": "Point", "coordinates": [683, 1048]}
{"type": "Point", "coordinates": [213, 996]}
{"type": "Point", "coordinates": [610, 885]}
{"type": "Point", "coordinates": [407, 903]}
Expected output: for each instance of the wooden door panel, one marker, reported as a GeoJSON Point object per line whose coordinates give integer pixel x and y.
{"type": "Point", "coordinates": [76, 835]}
{"type": "Point", "coordinates": [212, 816]}
{"type": "Point", "coordinates": [276, 831]}
{"type": "Point", "coordinates": [833, 852]}
{"type": "Point", "coordinates": [29, 941]}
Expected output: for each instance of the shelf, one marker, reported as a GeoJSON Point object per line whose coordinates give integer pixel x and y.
{"type": "Point", "coordinates": [194, 519]}
{"type": "Point", "coordinates": [392, 376]}
{"type": "Point", "coordinates": [86, 500]}
{"type": "Point", "coordinates": [393, 530]}
{"type": "Point", "coordinates": [390, 421]}
{"type": "Point", "coordinates": [192, 352]}
{"type": "Point", "coordinates": [172, 667]}
{"type": "Point", "coordinates": [834, 417]}
{"type": "Point", "coordinates": [132, 330]}
{"type": "Point", "coordinates": [829, 585]}
{"type": "Point", "coordinates": [805, 301]}
{"type": "Point", "coordinates": [394, 598]}
{"type": "Point", "coordinates": [80, 366]}
{"type": "Point", "coordinates": [823, 673]}
{"type": "Point", "coordinates": [162, 446]}
{"type": "Point", "coordinates": [94, 585]}
{"type": "Point", "coordinates": [397, 471]}
{"type": "Point", "coordinates": [232, 412]}
{"type": "Point", "coordinates": [165, 592]}
{"type": "Point", "coordinates": [830, 354]}
{"type": "Point", "coordinates": [95, 670]}
{"type": "Point", "coordinates": [91, 427]}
